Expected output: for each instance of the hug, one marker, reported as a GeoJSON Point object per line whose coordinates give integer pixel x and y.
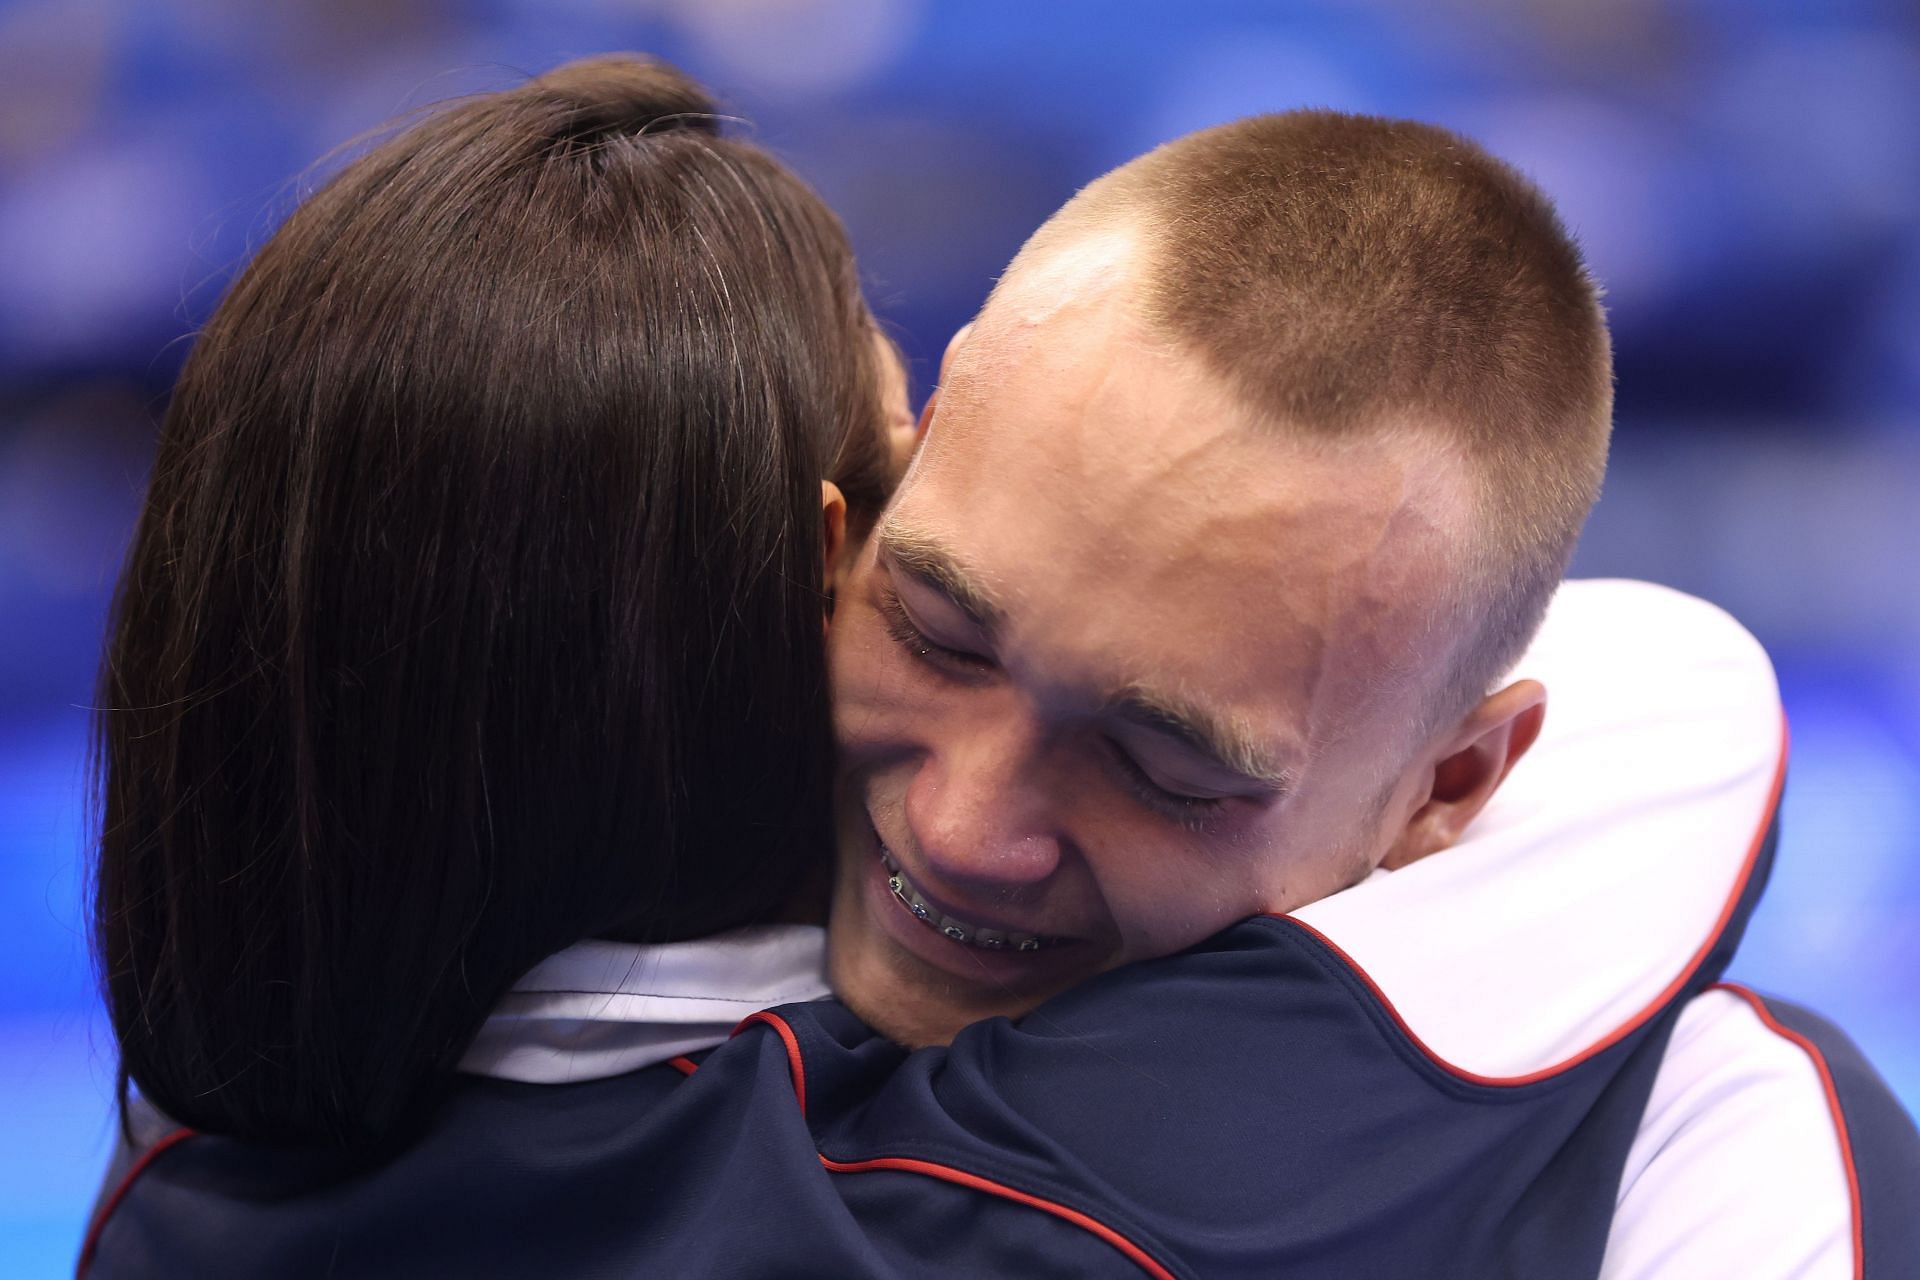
{"type": "Point", "coordinates": [591, 786]}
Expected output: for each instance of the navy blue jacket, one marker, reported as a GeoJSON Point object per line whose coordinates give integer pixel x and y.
{"type": "Point", "coordinates": [1252, 1107]}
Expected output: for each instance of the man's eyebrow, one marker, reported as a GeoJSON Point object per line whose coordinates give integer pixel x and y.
{"type": "Point", "coordinates": [1221, 741]}
{"type": "Point", "coordinates": [922, 555]}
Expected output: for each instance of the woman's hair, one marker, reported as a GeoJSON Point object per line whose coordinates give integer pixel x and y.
{"type": "Point", "coordinates": [476, 604]}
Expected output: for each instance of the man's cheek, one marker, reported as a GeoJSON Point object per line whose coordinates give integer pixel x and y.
{"type": "Point", "coordinates": [886, 799]}
{"type": "Point", "coordinates": [1184, 911]}
{"type": "Point", "coordinates": [871, 690]}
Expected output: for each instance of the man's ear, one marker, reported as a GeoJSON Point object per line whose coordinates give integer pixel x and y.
{"type": "Point", "coordinates": [1471, 765]}
{"type": "Point", "coordinates": [833, 529]}
{"type": "Point", "coordinates": [954, 344]}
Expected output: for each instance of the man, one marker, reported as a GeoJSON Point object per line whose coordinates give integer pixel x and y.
{"type": "Point", "coordinates": [1256, 471]}
{"type": "Point", "coordinates": [1252, 478]}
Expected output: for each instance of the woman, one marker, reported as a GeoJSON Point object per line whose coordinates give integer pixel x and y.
{"type": "Point", "coordinates": [476, 604]}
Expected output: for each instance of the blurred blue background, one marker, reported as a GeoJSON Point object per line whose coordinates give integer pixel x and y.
{"type": "Point", "coordinates": [1745, 175]}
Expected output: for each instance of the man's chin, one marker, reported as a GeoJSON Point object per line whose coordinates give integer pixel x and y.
{"type": "Point", "coordinates": [909, 1010]}
{"type": "Point", "coordinates": [901, 1024]}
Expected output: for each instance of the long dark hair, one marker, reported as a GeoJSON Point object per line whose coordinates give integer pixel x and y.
{"type": "Point", "coordinates": [476, 603]}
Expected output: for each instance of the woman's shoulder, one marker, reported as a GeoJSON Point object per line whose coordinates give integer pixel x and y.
{"type": "Point", "coordinates": [494, 1155]}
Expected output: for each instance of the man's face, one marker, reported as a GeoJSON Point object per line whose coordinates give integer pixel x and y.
{"type": "Point", "coordinates": [1119, 668]}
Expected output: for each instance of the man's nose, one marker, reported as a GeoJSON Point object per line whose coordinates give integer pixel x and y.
{"type": "Point", "coordinates": [979, 814]}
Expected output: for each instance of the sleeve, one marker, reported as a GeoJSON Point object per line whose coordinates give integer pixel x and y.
{"type": "Point", "coordinates": [1769, 1149]}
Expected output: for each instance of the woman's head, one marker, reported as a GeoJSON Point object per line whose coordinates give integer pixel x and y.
{"type": "Point", "coordinates": [476, 603]}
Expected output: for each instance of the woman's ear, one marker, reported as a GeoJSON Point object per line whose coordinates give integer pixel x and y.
{"type": "Point", "coordinates": [1469, 768]}
{"type": "Point", "coordinates": [833, 530]}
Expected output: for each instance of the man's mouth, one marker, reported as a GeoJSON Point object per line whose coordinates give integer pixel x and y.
{"type": "Point", "coordinates": [966, 932]}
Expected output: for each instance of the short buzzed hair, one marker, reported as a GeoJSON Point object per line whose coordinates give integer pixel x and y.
{"type": "Point", "coordinates": [1348, 274]}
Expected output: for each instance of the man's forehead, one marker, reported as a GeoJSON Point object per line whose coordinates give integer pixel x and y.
{"type": "Point", "coordinates": [1068, 270]}
{"type": "Point", "coordinates": [1127, 469]}
{"type": "Point", "coordinates": [1049, 314]}
{"type": "Point", "coordinates": [1099, 428]}
{"type": "Point", "coordinates": [1152, 535]}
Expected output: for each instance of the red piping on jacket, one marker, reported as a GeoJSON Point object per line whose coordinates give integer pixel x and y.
{"type": "Point", "coordinates": [946, 1173]}
{"type": "Point", "coordinates": [797, 1069]}
{"type": "Point", "coordinates": [1812, 1050]}
{"type": "Point", "coordinates": [1633, 1023]}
